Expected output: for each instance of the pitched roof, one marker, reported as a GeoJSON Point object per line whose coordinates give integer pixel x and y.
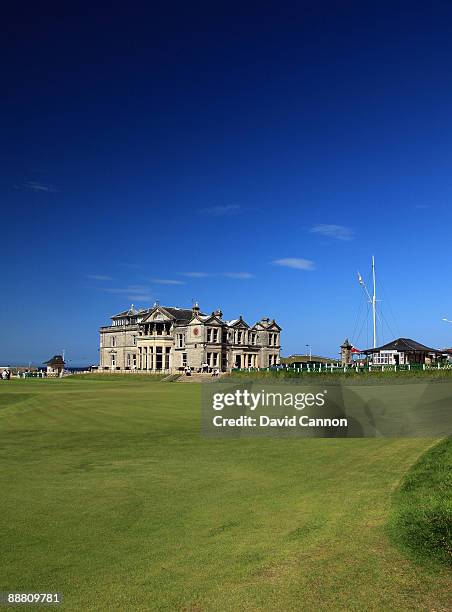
{"type": "Point", "coordinates": [213, 318]}
{"type": "Point", "coordinates": [131, 313]}
{"type": "Point", "coordinates": [266, 323]}
{"type": "Point", "coordinates": [404, 345]}
{"type": "Point", "coordinates": [237, 323]}
{"type": "Point", "coordinates": [232, 322]}
{"type": "Point", "coordinates": [180, 314]}
{"type": "Point", "coordinates": [56, 359]}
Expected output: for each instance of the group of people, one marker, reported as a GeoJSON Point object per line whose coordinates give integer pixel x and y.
{"type": "Point", "coordinates": [204, 368]}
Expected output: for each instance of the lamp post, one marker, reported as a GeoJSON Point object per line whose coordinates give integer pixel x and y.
{"type": "Point", "coordinates": [308, 346]}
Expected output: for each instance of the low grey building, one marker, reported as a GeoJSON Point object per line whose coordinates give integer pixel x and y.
{"type": "Point", "coordinates": [167, 339]}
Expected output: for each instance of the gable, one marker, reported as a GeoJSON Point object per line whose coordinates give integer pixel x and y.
{"type": "Point", "coordinates": [158, 314]}
{"type": "Point", "coordinates": [196, 320]}
{"type": "Point", "coordinates": [213, 320]}
{"type": "Point", "coordinates": [267, 325]}
{"type": "Point", "coordinates": [274, 327]}
{"type": "Point", "coordinates": [238, 324]}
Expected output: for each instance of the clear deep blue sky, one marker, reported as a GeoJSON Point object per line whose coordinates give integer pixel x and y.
{"type": "Point", "coordinates": [174, 152]}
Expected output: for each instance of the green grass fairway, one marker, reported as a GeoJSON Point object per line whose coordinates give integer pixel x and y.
{"type": "Point", "coordinates": [110, 496]}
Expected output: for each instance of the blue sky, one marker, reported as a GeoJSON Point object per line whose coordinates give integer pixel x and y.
{"type": "Point", "coordinates": [249, 157]}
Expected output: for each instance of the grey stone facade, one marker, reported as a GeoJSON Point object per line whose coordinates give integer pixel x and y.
{"type": "Point", "coordinates": [166, 339]}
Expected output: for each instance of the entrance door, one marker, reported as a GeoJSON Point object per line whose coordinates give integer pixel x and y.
{"type": "Point", "coordinates": [238, 361]}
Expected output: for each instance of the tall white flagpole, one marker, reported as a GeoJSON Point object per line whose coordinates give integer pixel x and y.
{"type": "Point", "coordinates": [374, 303]}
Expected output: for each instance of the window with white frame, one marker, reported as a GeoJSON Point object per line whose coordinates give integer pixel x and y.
{"type": "Point", "coordinates": [381, 359]}
{"type": "Point", "coordinates": [113, 341]}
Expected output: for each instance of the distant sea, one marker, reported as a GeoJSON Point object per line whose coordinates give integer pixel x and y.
{"type": "Point", "coordinates": [10, 364]}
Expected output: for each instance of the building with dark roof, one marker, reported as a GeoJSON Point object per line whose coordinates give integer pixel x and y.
{"type": "Point", "coordinates": [402, 351]}
{"type": "Point", "coordinates": [55, 365]}
{"type": "Point", "coordinates": [166, 338]}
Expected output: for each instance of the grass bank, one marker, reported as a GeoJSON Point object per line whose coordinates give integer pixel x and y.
{"type": "Point", "coordinates": [349, 377]}
{"type": "Point", "coordinates": [421, 519]}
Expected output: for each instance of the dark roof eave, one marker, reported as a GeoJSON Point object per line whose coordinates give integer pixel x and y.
{"type": "Point", "coordinates": [402, 345]}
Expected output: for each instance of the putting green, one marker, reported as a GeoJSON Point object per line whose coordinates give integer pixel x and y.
{"type": "Point", "coordinates": [111, 497]}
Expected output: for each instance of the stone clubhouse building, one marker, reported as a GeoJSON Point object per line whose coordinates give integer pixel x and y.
{"type": "Point", "coordinates": [168, 339]}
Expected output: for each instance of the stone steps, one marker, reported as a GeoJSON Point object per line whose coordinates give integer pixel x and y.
{"type": "Point", "coordinates": [171, 378]}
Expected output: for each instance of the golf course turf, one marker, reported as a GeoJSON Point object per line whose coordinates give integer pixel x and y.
{"type": "Point", "coordinates": [421, 517]}
{"type": "Point", "coordinates": [111, 497]}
